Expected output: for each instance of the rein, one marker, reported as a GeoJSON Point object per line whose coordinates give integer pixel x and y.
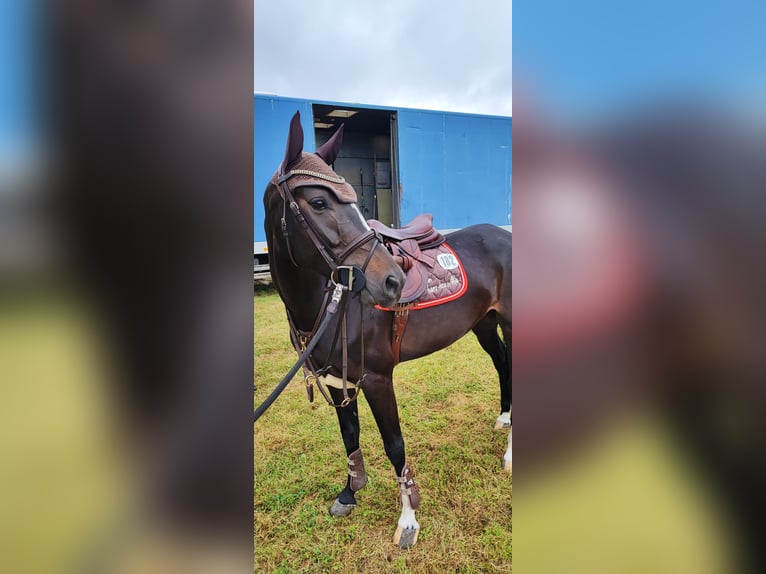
{"type": "Point", "coordinates": [302, 339]}
{"type": "Point", "coordinates": [331, 310]}
{"type": "Point", "coordinates": [342, 279]}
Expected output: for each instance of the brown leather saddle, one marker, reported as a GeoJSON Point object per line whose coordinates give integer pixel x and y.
{"type": "Point", "coordinates": [410, 245]}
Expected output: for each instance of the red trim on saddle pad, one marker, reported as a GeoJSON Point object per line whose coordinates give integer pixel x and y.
{"type": "Point", "coordinates": [418, 304]}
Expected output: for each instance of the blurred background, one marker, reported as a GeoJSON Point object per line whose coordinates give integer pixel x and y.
{"type": "Point", "coordinates": [638, 349]}
{"type": "Point", "coordinates": [125, 288]}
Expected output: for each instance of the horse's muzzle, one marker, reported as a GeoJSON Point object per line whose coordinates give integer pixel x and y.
{"type": "Point", "coordinates": [392, 288]}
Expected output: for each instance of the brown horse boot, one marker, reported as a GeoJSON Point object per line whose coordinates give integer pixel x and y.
{"type": "Point", "coordinates": [358, 476]}
{"type": "Point", "coordinates": [357, 480]}
{"type": "Point", "coordinates": [407, 528]}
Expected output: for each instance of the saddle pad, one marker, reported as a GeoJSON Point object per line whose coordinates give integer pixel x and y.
{"type": "Point", "coordinates": [446, 279]}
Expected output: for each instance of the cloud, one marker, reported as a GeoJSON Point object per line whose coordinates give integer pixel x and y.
{"type": "Point", "coordinates": [411, 54]}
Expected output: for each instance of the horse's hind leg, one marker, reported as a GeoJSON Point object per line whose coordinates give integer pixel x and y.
{"type": "Point", "coordinates": [507, 457]}
{"type": "Point", "coordinates": [348, 418]}
{"type": "Point", "coordinates": [490, 341]}
{"type": "Point", "coordinates": [507, 387]}
{"type": "Point", "coordinates": [379, 392]}
{"type": "Point", "coordinates": [506, 328]}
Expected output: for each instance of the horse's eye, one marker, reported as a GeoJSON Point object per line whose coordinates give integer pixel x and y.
{"type": "Point", "coordinates": [318, 204]}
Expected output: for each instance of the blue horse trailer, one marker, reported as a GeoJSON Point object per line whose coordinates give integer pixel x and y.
{"type": "Point", "coordinates": [402, 162]}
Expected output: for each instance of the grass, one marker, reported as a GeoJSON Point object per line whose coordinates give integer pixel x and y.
{"type": "Point", "coordinates": [447, 403]}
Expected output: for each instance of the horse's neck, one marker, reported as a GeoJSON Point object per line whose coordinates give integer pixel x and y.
{"type": "Point", "coordinates": [301, 290]}
{"type": "Point", "coordinates": [302, 293]}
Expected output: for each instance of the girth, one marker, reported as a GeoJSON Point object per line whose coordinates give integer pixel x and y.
{"type": "Point", "coordinates": [401, 314]}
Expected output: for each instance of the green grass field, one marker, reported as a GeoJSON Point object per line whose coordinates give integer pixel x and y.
{"type": "Point", "coordinates": [447, 403]}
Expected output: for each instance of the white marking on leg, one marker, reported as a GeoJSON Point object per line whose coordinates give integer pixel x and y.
{"type": "Point", "coordinates": [507, 457]}
{"type": "Point", "coordinates": [407, 519]}
{"type": "Point", "coordinates": [503, 421]}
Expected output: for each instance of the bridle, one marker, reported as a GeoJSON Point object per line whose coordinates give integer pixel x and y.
{"type": "Point", "coordinates": [332, 259]}
{"type": "Point", "coordinates": [342, 279]}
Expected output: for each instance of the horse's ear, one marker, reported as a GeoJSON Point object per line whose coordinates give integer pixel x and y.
{"type": "Point", "coordinates": [294, 141]}
{"type": "Point", "coordinates": [329, 151]}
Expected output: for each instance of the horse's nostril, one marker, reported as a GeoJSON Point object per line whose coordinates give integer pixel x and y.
{"type": "Point", "coordinates": [393, 285]}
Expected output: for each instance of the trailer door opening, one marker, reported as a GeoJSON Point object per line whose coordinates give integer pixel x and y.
{"type": "Point", "coordinates": [365, 159]}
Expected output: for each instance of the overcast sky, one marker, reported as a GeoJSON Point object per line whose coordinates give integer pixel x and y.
{"type": "Point", "coordinates": [453, 56]}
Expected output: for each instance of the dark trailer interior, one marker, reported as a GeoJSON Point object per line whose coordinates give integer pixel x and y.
{"type": "Point", "coordinates": [368, 158]}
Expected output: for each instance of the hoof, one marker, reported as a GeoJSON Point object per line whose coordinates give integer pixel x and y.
{"type": "Point", "coordinates": [507, 465]}
{"type": "Point", "coordinates": [340, 510]}
{"type": "Point", "coordinates": [406, 537]}
{"type": "Point", "coordinates": [503, 421]}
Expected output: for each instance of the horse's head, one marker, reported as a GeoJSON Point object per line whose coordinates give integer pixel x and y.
{"type": "Point", "coordinates": [313, 222]}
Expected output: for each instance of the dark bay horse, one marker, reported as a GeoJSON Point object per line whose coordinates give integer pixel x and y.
{"type": "Point", "coordinates": [312, 227]}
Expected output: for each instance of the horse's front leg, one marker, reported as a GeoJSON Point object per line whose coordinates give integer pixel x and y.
{"type": "Point", "coordinates": [379, 392]}
{"type": "Point", "coordinates": [348, 418]}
